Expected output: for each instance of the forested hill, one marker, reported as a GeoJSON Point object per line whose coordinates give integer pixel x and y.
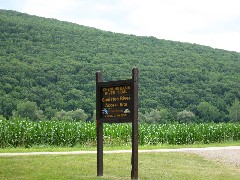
{"type": "Point", "coordinates": [53, 64]}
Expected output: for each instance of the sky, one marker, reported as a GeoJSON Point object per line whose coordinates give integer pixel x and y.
{"type": "Point", "coordinates": [214, 23]}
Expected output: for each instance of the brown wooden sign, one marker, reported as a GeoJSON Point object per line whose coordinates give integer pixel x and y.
{"type": "Point", "coordinates": [117, 102]}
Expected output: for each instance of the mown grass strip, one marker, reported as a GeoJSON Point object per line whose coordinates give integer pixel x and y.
{"type": "Point", "coordinates": [151, 166]}
{"type": "Point", "coordinates": [43, 148]}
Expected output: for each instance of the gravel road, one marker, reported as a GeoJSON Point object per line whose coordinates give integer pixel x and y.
{"type": "Point", "coordinates": [228, 155]}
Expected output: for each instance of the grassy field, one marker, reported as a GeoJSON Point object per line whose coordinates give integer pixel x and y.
{"type": "Point", "coordinates": [26, 136]}
{"type": "Point", "coordinates": [44, 148]}
{"type": "Point", "coordinates": [151, 166]}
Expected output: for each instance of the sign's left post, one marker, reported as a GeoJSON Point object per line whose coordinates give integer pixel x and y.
{"type": "Point", "coordinates": [99, 128]}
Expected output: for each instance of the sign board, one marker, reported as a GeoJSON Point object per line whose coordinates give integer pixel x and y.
{"type": "Point", "coordinates": [116, 101]}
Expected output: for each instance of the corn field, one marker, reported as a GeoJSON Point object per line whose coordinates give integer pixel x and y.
{"type": "Point", "coordinates": [25, 133]}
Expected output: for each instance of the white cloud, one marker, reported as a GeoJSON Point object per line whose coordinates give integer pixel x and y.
{"type": "Point", "coordinates": [46, 8]}
{"type": "Point", "coordinates": [204, 22]}
{"type": "Point", "coordinates": [229, 40]}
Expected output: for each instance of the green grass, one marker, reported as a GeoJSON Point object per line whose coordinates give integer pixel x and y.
{"type": "Point", "coordinates": [116, 166]}
{"type": "Point", "coordinates": [43, 148]}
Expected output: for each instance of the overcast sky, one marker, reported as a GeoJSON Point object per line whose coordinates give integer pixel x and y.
{"type": "Point", "coordinates": [214, 23]}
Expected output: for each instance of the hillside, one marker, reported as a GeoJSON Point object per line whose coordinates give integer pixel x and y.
{"type": "Point", "coordinates": [53, 63]}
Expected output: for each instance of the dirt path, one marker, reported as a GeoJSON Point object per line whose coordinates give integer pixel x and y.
{"type": "Point", "coordinates": [228, 155]}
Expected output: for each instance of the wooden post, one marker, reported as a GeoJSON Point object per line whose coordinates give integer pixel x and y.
{"type": "Point", "coordinates": [99, 129]}
{"type": "Point", "coordinates": [134, 173]}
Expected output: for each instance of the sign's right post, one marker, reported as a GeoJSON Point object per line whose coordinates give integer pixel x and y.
{"type": "Point", "coordinates": [134, 172]}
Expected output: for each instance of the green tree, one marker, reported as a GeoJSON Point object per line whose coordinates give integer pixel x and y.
{"type": "Point", "coordinates": [155, 116]}
{"type": "Point", "coordinates": [39, 115]}
{"type": "Point", "coordinates": [208, 112]}
{"type": "Point", "coordinates": [7, 106]}
{"type": "Point", "coordinates": [50, 112]}
{"type": "Point", "coordinates": [93, 116]}
{"type": "Point", "coordinates": [2, 118]}
{"type": "Point", "coordinates": [185, 116]}
{"type": "Point", "coordinates": [234, 111]}
{"type": "Point", "coordinates": [61, 115]}
{"type": "Point", "coordinates": [27, 109]}
{"type": "Point", "coordinates": [76, 115]}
